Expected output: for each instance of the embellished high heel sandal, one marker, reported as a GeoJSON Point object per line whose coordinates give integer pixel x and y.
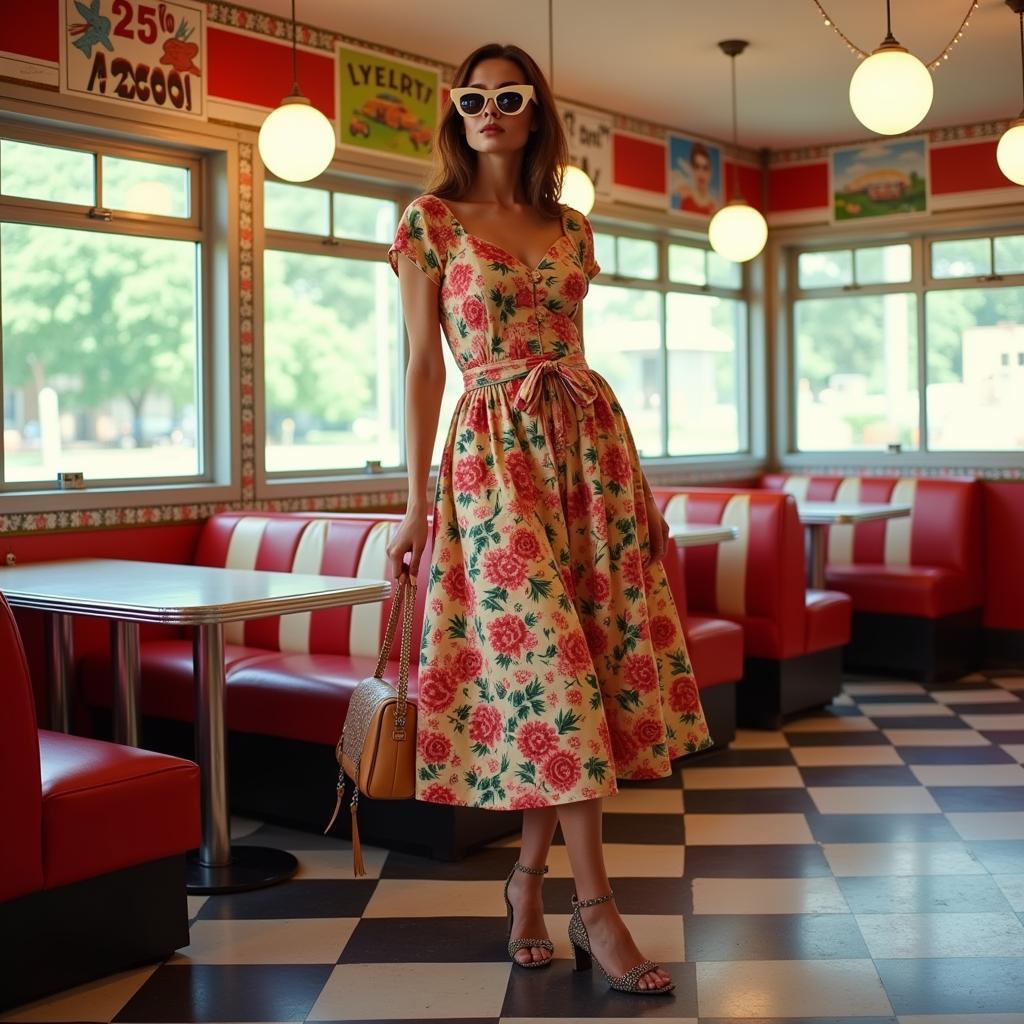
{"type": "Point", "coordinates": [580, 940]}
{"type": "Point", "coordinates": [514, 945]}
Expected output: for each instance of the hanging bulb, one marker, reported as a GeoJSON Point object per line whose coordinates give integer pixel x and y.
{"type": "Point", "coordinates": [891, 91]}
{"type": "Point", "coordinates": [296, 141]}
{"type": "Point", "coordinates": [577, 190]}
{"type": "Point", "coordinates": [738, 232]}
{"type": "Point", "coordinates": [1010, 152]}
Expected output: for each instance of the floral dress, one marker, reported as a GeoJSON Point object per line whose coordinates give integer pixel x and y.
{"type": "Point", "coordinates": [552, 659]}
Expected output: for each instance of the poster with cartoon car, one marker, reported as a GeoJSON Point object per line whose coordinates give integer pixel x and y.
{"type": "Point", "coordinates": [386, 104]}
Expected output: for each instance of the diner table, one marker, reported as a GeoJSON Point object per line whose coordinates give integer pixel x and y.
{"type": "Point", "coordinates": [691, 535]}
{"type": "Point", "coordinates": [817, 515]}
{"type": "Point", "coordinates": [129, 593]}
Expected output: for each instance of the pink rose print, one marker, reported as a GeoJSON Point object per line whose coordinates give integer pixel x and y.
{"type": "Point", "coordinates": [477, 418]}
{"type": "Point", "coordinates": [467, 664]}
{"type": "Point", "coordinates": [580, 501]}
{"type": "Point", "coordinates": [521, 473]}
{"type": "Point", "coordinates": [486, 725]}
{"type": "Point", "coordinates": [624, 748]}
{"type": "Point", "coordinates": [526, 801]}
{"type": "Point", "coordinates": [504, 568]}
{"type": "Point", "coordinates": [573, 653]}
{"type": "Point", "coordinates": [649, 731]}
{"type": "Point", "coordinates": [472, 473]}
{"type": "Point", "coordinates": [600, 586]}
{"type": "Point", "coordinates": [683, 695]}
{"type": "Point", "coordinates": [458, 279]}
{"type": "Point", "coordinates": [597, 638]}
{"type": "Point", "coordinates": [438, 794]}
{"type": "Point", "coordinates": [525, 544]}
{"type": "Point", "coordinates": [536, 740]}
{"type": "Point", "coordinates": [436, 689]}
{"type": "Point", "coordinates": [474, 312]}
{"type": "Point", "coordinates": [435, 748]}
{"type": "Point", "coordinates": [508, 635]}
{"type": "Point", "coordinates": [640, 672]}
{"type": "Point", "coordinates": [574, 287]}
{"type": "Point", "coordinates": [615, 465]}
{"type": "Point", "coordinates": [457, 586]}
{"type": "Point", "coordinates": [631, 567]}
{"type": "Point", "coordinates": [663, 631]}
{"type": "Point", "coordinates": [603, 414]}
{"type": "Point", "coordinates": [562, 771]}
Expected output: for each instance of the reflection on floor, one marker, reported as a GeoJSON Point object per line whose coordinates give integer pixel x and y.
{"type": "Point", "coordinates": [865, 864]}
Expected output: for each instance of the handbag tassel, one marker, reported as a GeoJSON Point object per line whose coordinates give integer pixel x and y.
{"type": "Point", "coordinates": [357, 850]}
{"type": "Point", "coordinates": [337, 803]}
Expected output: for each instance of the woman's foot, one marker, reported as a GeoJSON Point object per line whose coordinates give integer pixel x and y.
{"type": "Point", "coordinates": [612, 944]}
{"type": "Point", "coordinates": [524, 893]}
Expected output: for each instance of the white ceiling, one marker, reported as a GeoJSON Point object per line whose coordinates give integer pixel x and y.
{"type": "Point", "coordinates": [658, 59]}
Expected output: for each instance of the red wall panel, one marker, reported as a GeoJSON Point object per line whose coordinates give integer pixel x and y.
{"type": "Point", "coordinates": [798, 187]}
{"type": "Point", "coordinates": [966, 168]}
{"type": "Point", "coordinates": [250, 69]}
{"type": "Point", "coordinates": [639, 163]}
{"type": "Point", "coordinates": [744, 181]}
{"type": "Point", "coordinates": [31, 29]}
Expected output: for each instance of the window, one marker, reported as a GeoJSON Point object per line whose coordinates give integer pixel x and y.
{"type": "Point", "coordinates": [666, 326]}
{"type": "Point", "coordinates": [334, 365]}
{"type": "Point", "coordinates": [867, 322]}
{"type": "Point", "coordinates": [101, 269]}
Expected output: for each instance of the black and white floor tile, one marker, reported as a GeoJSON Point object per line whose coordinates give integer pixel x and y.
{"type": "Point", "coordinates": [864, 864]}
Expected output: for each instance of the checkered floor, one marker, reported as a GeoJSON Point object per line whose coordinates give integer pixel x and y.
{"type": "Point", "coordinates": [864, 864]}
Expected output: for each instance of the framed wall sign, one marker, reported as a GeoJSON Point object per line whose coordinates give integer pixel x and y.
{"type": "Point", "coordinates": [146, 55]}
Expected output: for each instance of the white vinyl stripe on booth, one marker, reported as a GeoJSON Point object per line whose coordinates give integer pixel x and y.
{"type": "Point", "coordinates": [364, 631]}
{"type": "Point", "coordinates": [294, 629]}
{"type": "Point", "coordinates": [731, 575]}
{"type": "Point", "coordinates": [797, 486]}
{"type": "Point", "coordinates": [840, 538]}
{"type": "Point", "coordinates": [243, 549]}
{"type": "Point", "coordinates": [897, 531]}
{"type": "Point", "coordinates": [675, 510]}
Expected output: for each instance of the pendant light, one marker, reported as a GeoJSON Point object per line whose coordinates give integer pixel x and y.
{"type": "Point", "coordinates": [891, 91]}
{"type": "Point", "coordinates": [737, 232]}
{"type": "Point", "coordinates": [296, 141]}
{"type": "Point", "coordinates": [1010, 151]}
{"type": "Point", "coordinates": [577, 188]}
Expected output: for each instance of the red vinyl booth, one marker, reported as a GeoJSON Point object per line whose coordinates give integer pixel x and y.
{"type": "Point", "coordinates": [792, 637]}
{"type": "Point", "coordinates": [93, 848]}
{"type": "Point", "coordinates": [289, 680]}
{"type": "Point", "coordinates": [715, 647]}
{"type": "Point", "coordinates": [917, 582]}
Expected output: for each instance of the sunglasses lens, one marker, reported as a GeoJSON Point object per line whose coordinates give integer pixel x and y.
{"type": "Point", "coordinates": [509, 102]}
{"type": "Point", "coordinates": [472, 103]}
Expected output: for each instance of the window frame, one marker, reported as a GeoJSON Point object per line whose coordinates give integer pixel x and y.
{"type": "Point", "coordinates": [786, 247]}
{"type": "Point", "coordinates": [213, 452]}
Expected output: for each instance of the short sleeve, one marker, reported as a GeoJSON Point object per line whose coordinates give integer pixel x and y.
{"type": "Point", "coordinates": [416, 238]}
{"type": "Point", "coordinates": [584, 234]}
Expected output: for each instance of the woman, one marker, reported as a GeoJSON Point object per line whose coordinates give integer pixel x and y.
{"type": "Point", "coordinates": [552, 656]}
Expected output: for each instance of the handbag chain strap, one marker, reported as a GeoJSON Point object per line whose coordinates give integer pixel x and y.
{"type": "Point", "coordinates": [406, 596]}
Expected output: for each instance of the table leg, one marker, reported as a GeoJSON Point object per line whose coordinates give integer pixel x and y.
{"type": "Point", "coordinates": [124, 646]}
{"type": "Point", "coordinates": [217, 866]}
{"type": "Point", "coordinates": [816, 556]}
{"type": "Point", "coordinates": [60, 655]}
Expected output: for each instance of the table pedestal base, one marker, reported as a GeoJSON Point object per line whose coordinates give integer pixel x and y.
{"type": "Point", "coordinates": [251, 867]}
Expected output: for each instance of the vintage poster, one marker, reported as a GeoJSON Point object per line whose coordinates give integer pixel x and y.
{"type": "Point", "coordinates": [146, 55]}
{"type": "Point", "coordinates": [386, 104]}
{"type": "Point", "coordinates": [694, 176]}
{"type": "Point", "coordinates": [589, 134]}
{"type": "Point", "coordinates": [879, 179]}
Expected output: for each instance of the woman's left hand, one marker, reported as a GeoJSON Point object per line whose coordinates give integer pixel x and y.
{"type": "Point", "coordinates": [657, 527]}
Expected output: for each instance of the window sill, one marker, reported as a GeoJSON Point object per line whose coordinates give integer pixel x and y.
{"type": "Point", "coordinates": [98, 497]}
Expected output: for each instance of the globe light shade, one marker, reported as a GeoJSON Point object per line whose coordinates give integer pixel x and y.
{"type": "Point", "coordinates": [1010, 152]}
{"type": "Point", "coordinates": [296, 141]}
{"type": "Point", "coordinates": [737, 232]}
{"type": "Point", "coordinates": [891, 91]}
{"type": "Point", "coordinates": [577, 190]}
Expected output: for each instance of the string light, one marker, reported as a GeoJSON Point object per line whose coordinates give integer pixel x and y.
{"type": "Point", "coordinates": [860, 54]}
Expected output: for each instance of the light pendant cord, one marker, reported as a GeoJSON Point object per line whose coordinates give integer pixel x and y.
{"type": "Point", "coordinates": [889, 38]}
{"type": "Point", "coordinates": [295, 53]}
{"type": "Point", "coordinates": [1022, 60]}
{"type": "Point", "coordinates": [735, 134]}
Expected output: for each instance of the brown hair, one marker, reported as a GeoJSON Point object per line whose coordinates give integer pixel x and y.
{"type": "Point", "coordinates": [546, 153]}
{"type": "Point", "coordinates": [699, 149]}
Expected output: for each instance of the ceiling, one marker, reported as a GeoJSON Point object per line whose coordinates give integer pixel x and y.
{"type": "Point", "coordinates": [658, 59]}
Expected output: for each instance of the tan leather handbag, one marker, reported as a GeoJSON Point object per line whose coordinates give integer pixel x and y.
{"type": "Point", "coordinates": [377, 748]}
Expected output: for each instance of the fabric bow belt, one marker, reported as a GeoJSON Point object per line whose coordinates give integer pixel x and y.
{"type": "Point", "coordinates": [572, 370]}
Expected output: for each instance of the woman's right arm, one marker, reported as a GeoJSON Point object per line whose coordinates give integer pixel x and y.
{"type": "Point", "coordinates": [424, 387]}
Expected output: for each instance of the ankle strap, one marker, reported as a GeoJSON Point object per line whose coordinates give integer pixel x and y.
{"type": "Point", "coordinates": [591, 902]}
{"type": "Point", "coordinates": [531, 871]}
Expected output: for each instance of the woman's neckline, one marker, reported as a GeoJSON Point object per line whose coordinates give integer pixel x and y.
{"type": "Point", "coordinates": [501, 248]}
